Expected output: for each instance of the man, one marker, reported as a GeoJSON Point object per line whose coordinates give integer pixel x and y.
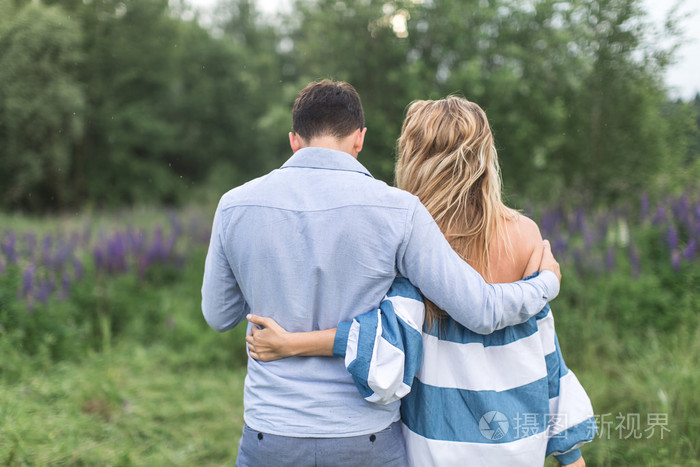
{"type": "Point", "coordinates": [318, 242]}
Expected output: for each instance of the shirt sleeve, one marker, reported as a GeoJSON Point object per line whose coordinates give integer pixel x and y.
{"type": "Point", "coordinates": [428, 261]}
{"type": "Point", "coordinates": [383, 348]}
{"type": "Point", "coordinates": [571, 420]}
{"type": "Point", "coordinates": [223, 304]}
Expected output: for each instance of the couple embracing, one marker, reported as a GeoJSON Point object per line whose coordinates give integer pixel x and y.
{"type": "Point", "coordinates": [392, 326]}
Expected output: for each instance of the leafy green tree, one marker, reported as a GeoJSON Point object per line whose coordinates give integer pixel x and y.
{"type": "Point", "coordinates": [41, 106]}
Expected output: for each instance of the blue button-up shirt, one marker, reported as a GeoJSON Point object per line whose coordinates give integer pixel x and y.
{"type": "Point", "coordinates": [318, 242]}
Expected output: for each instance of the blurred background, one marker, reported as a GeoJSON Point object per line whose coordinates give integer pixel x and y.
{"type": "Point", "coordinates": [123, 122]}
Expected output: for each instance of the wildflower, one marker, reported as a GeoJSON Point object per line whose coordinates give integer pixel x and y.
{"type": "Point", "coordinates": [8, 248]}
{"type": "Point", "coordinates": [660, 216]}
{"type": "Point", "coordinates": [28, 280]}
{"type": "Point", "coordinates": [675, 260]}
{"type": "Point", "coordinates": [65, 286]}
{"type": "Point", "coordinates": [634, 260]}
{"type": "Point", "coordinates": [610, 258]}
{"type": "Point", "coordinates": [672, 238]}
{"type": "Point", "coordinates": [690, 250]}
{"type": "Point", "coordinates": [46, 251]}
{"type": "Point", "coordinates": [43, 293]}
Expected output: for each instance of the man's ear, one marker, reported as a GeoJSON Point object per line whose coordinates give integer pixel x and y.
{"type": "Point", "coordinates": [359, 140]}
{"type": "Point", "coordinates": [296, 142]}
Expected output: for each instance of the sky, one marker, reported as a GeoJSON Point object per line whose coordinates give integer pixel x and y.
{"type": "Point", "coordinates": [682, 77]}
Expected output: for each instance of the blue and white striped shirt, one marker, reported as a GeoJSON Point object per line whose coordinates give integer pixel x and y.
{"type": "Point", "coordinates": [505, 398]}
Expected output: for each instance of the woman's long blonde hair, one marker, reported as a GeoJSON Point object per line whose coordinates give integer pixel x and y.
{"type": "Point", "coordinates": [447, 157]}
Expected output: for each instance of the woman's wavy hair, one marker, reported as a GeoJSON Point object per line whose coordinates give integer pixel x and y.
{"type": "Point", "coordinates": [447, 157]}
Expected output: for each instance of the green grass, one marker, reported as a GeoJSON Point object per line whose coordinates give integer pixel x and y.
{"type": "Point", "coordinates": [133, 406]}
{"type": "Point", "coordinates": [127, 373]}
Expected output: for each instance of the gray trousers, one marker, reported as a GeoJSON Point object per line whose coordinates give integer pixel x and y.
{"type": "Point", "coordinates": [384, 448]}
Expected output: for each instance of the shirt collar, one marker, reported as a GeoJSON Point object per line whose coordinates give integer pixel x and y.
{"type": "Point", "coordinates": [323, 158]}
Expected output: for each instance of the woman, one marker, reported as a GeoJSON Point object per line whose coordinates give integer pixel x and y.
{"type": "Point", "coordinates": [502, 399]}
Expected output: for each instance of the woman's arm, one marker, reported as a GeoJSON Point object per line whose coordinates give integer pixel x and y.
{"type": "Point", "coordinates": [382, 349]}
{"type": "Point", "coordinates": [272, 342]}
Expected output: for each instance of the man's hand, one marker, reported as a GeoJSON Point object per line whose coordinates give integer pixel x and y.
{"type": "Point", "coordinates": [548, 262]}
{"type": "Point", "coordinates": [579, 463]}
{"type": "Point", "coordinates": [268, 343]}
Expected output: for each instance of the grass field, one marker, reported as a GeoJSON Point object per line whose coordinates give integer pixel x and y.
{"type": "Point", "coordinates": [130, 406]}
{"type": "Point", "coordinates": [122, 369]}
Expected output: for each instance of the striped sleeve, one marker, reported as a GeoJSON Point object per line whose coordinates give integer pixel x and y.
{"type": "Point", "coordinates": [383, 347]}
{"type": "Point", "coordinates": [571, 420]}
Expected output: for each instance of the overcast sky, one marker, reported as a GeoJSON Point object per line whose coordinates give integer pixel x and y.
{"type": "Point", "coordinates": [683, 77]}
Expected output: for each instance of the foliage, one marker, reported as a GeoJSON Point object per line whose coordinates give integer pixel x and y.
{"type": "Point", "coordinates": [124, 354]}
{"type": "Point", "coordinates": [135, 100]}
{"type": "Point", "coordinates": [77, 292]}
{"type": "Point", "coordinates": [41, 104]}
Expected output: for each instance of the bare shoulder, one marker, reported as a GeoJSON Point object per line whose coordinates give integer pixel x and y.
{"type": "Point", "coordinates": [524, 233]}
{"type": "Point", "coordinates": [526, 242]}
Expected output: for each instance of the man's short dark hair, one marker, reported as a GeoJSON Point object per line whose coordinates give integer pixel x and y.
{"type": "Point", "coordinates": [327, 108]}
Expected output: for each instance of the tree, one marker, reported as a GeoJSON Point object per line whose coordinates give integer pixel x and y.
{"type": "Point", "coordinates": [41, 106]}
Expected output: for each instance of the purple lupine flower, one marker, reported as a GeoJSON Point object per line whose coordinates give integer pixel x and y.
{"type": "Point", "coordinates": [63, 251]}
{"type": "Point", "coordinates": [681, 207]}
{"type": "Point", "coordinates": [660, 216]}
{"type": "Point", "coordinates": [65, 286]}
{"type": "Point", "coordinates": [46, 251]}
{"type": "Point", "coordinates": [559, 247]}
{"type": "Point", "coordinates": [28, 280]}
{"type": "Point", "coordinates": [116, 254]}
{"type": "Point", "coordinates": [645, 205]}
{"type": "Point", "coordinates": [580, 220]}
{"type": "Point", "coordinates": [8, 247]}
{"type": "Point", "coordinates": [157, 251]}
{"type": "Point", "coordinates": [634, 260]}
{"type": "Point", "coordinates": [690, 250]}
{"type": "Point", "coordinates": [136, 240]}
{"type": "Point", "coordinates": [550, 221]}
{"type": "Point", "coordinates": [99, 258]}
{"type": "Point", "coordinates": [610, 258]}
{"type": "Point", "coordinates": [43, 293]}
{"type": "Point", "coordinates": [672, 238]}
{"type": "Point", "coordinates": [588, 239]}
{"type": "Point", "coordinates": [675, 260]}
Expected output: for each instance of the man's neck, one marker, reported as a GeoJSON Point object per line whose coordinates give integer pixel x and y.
{"type": "Point", "coordinates": [331, 142]}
